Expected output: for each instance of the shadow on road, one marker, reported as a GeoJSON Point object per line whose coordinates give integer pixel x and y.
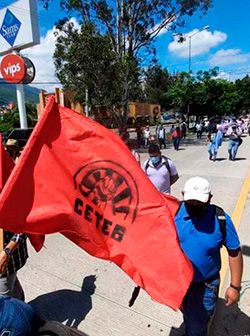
{"type": "Point", "coordinates": [67, 305]}
{"type": "Point", "coordinates": [227, 321]}
{"type": "Point", "coordinates": [221, 159]}
{"type": "Point", "coordinates": [178, 331]}
{"type": "Point", "coordinates": [245, 250]}
{"type": "Point", "coordinates": [239, 159]}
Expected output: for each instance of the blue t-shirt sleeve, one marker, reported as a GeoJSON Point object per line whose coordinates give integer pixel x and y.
{"type": "Point", "coordinates": [231, 241]}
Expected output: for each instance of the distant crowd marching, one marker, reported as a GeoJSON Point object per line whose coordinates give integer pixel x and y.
{"type": "Point", "coordinates": [213, 130]}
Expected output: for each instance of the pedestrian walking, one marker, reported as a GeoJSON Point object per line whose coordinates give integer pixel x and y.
{"type": "Point", "coordinates": [172, 129]}
{"type": "Point", "coordinates": [161, 136]}
{"type": "Point", "coordinates": [176, 138]}
{"type": "Point", "coordinates": [202, 229]}
{"type": "Point", "coordinates": [184, 129]}
{"type": "Point", "coordinates": [214, 141]}
{"type": "Point", "coordinates": [139, 135]}
{"type": "Point", "coordinates": [199, 129]}
{"type": "Point", "coordinates": [161, 170]}
{"type": "Point", "coordinates": [146, 136]}
{"type": "Point", "coordinates": [233, 143]}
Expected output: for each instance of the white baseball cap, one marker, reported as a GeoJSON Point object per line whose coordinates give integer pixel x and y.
{"type": "Point", "coordinates": [197, 188]}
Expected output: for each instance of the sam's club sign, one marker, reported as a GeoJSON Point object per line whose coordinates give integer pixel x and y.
{"type": "Point", "coordinates": [18, 28]}
{"type": "Point", "coordinates": [10, 27]}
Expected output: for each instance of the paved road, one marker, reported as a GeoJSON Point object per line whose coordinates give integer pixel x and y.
{"type": "Point", "coordinates": [66, 284]}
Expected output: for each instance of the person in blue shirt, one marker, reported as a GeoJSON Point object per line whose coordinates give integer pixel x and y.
{"type": "Point", "coordinates": [201, 238]}
{"type": "Point", "coordinates": [16, 317]}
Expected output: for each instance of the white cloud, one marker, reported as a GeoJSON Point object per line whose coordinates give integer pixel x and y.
{"type": "Point", "coordinates": [223, 75]}
{"type": "Point", "coordinates": [42, 57]}
{"type": "Point", "coordinates": [201, 42]}
{"type": "Point", "coordinates": [229, 56]}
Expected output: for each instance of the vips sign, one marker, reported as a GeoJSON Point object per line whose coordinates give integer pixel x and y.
{"type": "Point", "coordinates": [16, 69]}
{"type": "Point", "coordinates": [18, 25]}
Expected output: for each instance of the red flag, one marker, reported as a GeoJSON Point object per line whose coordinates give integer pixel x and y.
{"type": "Point", "coordinates": [78, 178]}
{"type": "Point", "coordinates": [6, 166]}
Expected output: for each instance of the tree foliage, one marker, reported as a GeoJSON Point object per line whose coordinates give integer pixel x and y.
{"type": "Point", "coordinates": [10, 119]}
{"type": "Point", "coordinates": [200, 94]}
{"type": "Point", "coordinates": [115, 38]}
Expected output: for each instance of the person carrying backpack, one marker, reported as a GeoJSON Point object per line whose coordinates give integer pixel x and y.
{"type": "Point", "coordinates": [234, 142]}
{"type": "Point", "coordinates": [201, 234]}
{"type": "Point", "coordinates": [161, 170]}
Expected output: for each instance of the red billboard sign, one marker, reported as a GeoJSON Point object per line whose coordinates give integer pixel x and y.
{"type": "Point", "coordinates": [13, 68]}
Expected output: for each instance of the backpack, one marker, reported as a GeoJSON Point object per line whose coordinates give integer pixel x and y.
{"type": "Point", "coordinates": [220, 214]}
{"type": "Point", "coordinates": [166, 164]}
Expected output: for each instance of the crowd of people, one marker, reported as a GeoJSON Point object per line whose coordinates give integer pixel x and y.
{"type": "Point", "coordinates": [202, 229]}
{"type": "Point", "coordinates": [213, 131]}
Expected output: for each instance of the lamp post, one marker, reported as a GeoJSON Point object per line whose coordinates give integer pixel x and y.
{"type": "Point", "coordinates": [190, 45]}
{"type": "Point", "coordinates": [181, 40]}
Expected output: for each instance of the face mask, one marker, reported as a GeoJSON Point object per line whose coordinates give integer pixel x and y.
{"type": "Point", "coordinates": [155, 160]}
{"type": "Point", "coordinates": [196, 210]}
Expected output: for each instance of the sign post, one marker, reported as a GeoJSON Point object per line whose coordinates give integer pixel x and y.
{"type": "Point", "coordinates": [21, 106]}
{"type": "Point", "coordinates": [13, 69]}
{"type": "Point", "coordinates": [18, 30]}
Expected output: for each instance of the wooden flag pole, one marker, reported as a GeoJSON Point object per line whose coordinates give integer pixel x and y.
{"type": "Point", "coordinates": [1, 240]}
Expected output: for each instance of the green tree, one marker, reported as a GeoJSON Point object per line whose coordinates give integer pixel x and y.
{"type": "Point", "coordinates": [156, 85]}
{"type": "Point", "coordinates": [131, 27]}
{"type": "Point", "coordinates": [182, 92]}
{"type": "Point", "coordinates": [10, 119]}
{"type": "Point", "coordinates": [243, 90]}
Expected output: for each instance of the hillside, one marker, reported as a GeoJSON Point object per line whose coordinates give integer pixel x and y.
{"type": "Point", "coordinates": [8, 93]}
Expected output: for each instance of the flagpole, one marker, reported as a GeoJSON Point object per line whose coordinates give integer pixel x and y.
{"type": "Point", "coordinates": [1, 240]}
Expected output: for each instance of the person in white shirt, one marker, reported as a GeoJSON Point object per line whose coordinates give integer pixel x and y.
{"type": "Point", "coordinates": [160, 170]}
{"type": "Point", "coordinates": [199, 130]}
{"type": "Point", "coordinates": [161, 135]}
{"type": "Point", "coordinates": [146, 136]}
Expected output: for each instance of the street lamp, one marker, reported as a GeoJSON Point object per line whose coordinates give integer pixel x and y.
{"type": "Point", "coordinates": [183, 38]}
{"type": "Point", "coordinates": [190, 46]}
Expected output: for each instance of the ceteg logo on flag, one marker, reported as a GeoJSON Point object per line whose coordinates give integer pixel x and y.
{"type": "Point", "coordinates": [10, 27]}
{"type": "Point", "coordinates": [108, 197]}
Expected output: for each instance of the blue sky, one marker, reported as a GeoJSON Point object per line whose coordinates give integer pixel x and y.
{"type": "Point", "coordinates": [231, 51]}
{"type": "Point", "coordinates": [225, 44]}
